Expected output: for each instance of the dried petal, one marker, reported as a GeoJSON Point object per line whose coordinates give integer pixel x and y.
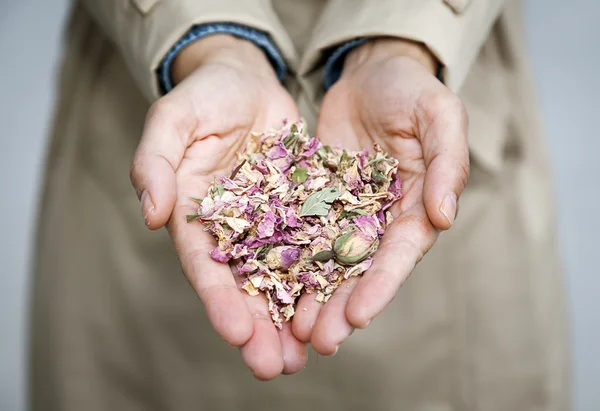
{"type": "Point", "coordinates": [250, 288]}
{"type": "Point", "coordinates": [279, 151]}
{"type": "Point", "coordinates": [219, 255]}
{"type": "Point", "coordinates": [359, 268]}
{"type": "Point", "coordinates": [311, 148]}
{"type": "Point", "coordinates": [352, 178]}
{"type": "Point", "coordinates": [266, 228]}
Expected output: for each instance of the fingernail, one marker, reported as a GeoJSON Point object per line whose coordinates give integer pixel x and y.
{"type": "Point", "coordinates": [147, 205]}
{"type": "Point", "coordinates": [448, 207]}
{"type": "Point", "coordinates": [337, 347]}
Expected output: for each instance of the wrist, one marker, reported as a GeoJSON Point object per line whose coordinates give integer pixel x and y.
{"type": "Point", "coordinates": [384, 48]}
{"type": "Point", "coordinates": [220, 48]}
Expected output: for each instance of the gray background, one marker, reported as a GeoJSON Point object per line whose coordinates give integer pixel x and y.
{"type": "Point", "coordinates": [564, 38]}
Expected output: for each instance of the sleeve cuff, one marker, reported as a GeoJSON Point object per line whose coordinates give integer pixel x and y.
{"type": "Point", "coordinates": [261, 39]}
{"type": "Point", "coordinates": [335, 62]}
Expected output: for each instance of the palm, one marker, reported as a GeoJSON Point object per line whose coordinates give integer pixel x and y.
{"type": "Point", "coordinates": [222, 106]}
{"type": "Point", "coordinates": [383, 113]}
{"type": "Point", "coordinates": [377, 105]}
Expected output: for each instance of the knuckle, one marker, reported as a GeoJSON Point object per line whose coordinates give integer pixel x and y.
{"type": "Point", "coordinates": [161, 108]}
{"type": "Point", "coordinates": [465, 115]}
{"type": "Point", "coordinates": [214, 292]}
{"type": "Point", "coordinates": [134, 171]}
{"type": "Point", "coordinates": [460, 171]}
{"type": "Point", "coordinates": [191, 264]}
{"type": "Point", "coordinates": [261, 315]}
{"type": "Point", "coordinates": [418, 225]}
{"type": "Point", "coordinates": [344, 291]}
{"type": "Point", "coordinates": [413, 248]}
{"type": "Point", "coordinates": [464, 172]}
{"type": "Point", "coordinates": [436, 102]}
{"type": "Point", "coordinates": [386, 277]}
{"type": "Point", "coordinates": [446, 104]}
{"type": "Point", "coordinates": [173, 115]}
{"type": "Point", "coordinates": [404, 243]}
{"type": "Point", "coordinates": [195, 258]}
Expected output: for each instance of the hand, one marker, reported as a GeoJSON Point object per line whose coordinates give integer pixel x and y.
{"type": "Point", "coordinates": [191, 135]}
{"type": "Point", "coordinates": [388, 94]}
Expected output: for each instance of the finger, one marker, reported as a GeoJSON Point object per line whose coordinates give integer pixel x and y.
{"type": "Point", "coordinates": [402, 246]}
{"type": "Point", "coordinates": [332, 326]}
{"type": "Point", "coordinates": [263, 352]}
{"type": "Point", "coordinates": [305, 317]}
{"type": "Point", "coordinates": [446, 156]}
{"type": "Point", "coordinates": [295, 353]}
{"type": "Point", "coordinates": [156, 159]}
{"type": "Point", "coordinates": [212, 281]}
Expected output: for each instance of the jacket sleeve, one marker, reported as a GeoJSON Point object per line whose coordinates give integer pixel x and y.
{"type": "Point", "coordinates": [453, 30]}
{"type": "Point", "coordinates": [146, 30]}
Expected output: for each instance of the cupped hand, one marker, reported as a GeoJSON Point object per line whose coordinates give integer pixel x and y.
{"type": "Point", "coordinates": [388, 94]}
{"type": "Point", "coordinates": [191, 135]}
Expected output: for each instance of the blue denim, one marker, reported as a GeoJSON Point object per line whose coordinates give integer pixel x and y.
{"type": "Point", "coordinates": [335, 62]}
{"type": "Point", "coordinates": [259, 38]}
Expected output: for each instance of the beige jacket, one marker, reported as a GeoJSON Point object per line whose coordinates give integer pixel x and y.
{"type": "Point", "coordinates": [480, 325]}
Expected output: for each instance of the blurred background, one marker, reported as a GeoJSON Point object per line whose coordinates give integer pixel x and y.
{"type": "Point", "coordinates": [563, 39]}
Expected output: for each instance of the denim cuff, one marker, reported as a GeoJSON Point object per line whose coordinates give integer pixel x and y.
{"type": "Point", "coordinates": [335, 62]}
{"type": "Point", "coordinates": [261, 39]}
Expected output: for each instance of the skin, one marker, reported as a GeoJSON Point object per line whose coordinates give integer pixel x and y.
{"type": "Point", "coordinates": [226, 88]}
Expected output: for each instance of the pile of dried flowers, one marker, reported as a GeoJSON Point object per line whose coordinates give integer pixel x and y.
{"type": "Point", "coordinates": [296, 216]}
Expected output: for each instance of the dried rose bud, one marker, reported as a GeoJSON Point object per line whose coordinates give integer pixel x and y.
{"type": "Point", "coordinates": [282, 257]}
{"type": "Point", "coordinates": [353, 246]}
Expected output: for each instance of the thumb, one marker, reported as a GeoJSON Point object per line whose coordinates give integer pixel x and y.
{"type": "Point", "coordinates": [446, 157]}
{"type": "Point", "coordinates": [156, 159]}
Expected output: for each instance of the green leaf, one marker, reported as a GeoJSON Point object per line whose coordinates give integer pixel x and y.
{"type": "Point", "coordinates": [219, 189]}
{"type": "Point", "coordinates": [353, 213]}
{"type": "Point", "coordinates": [323, 256]}
{"type": "Point", "coordinates": [379, 177]}
{"type": "Point", "coordinates": [192, 217]}
{"type": "Point", "coordinates": [319, 203]}
{"type": "Point", "coordinates": [375, 161]}
{"type": "Point", "coordinates": [345, 157]}
{"type": "Point", "coordinates": [263, 250]}
{"type": "Point", "coordinates": [291, 139]}
{"type": "Point", "coordinates": [299, 175]}
{"type": "Point", "coordinates": [323, 151]}
{"type": "Point", "coordinates": [197, 200]}
{"type": "Point", "coordinates": [344, 163]}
